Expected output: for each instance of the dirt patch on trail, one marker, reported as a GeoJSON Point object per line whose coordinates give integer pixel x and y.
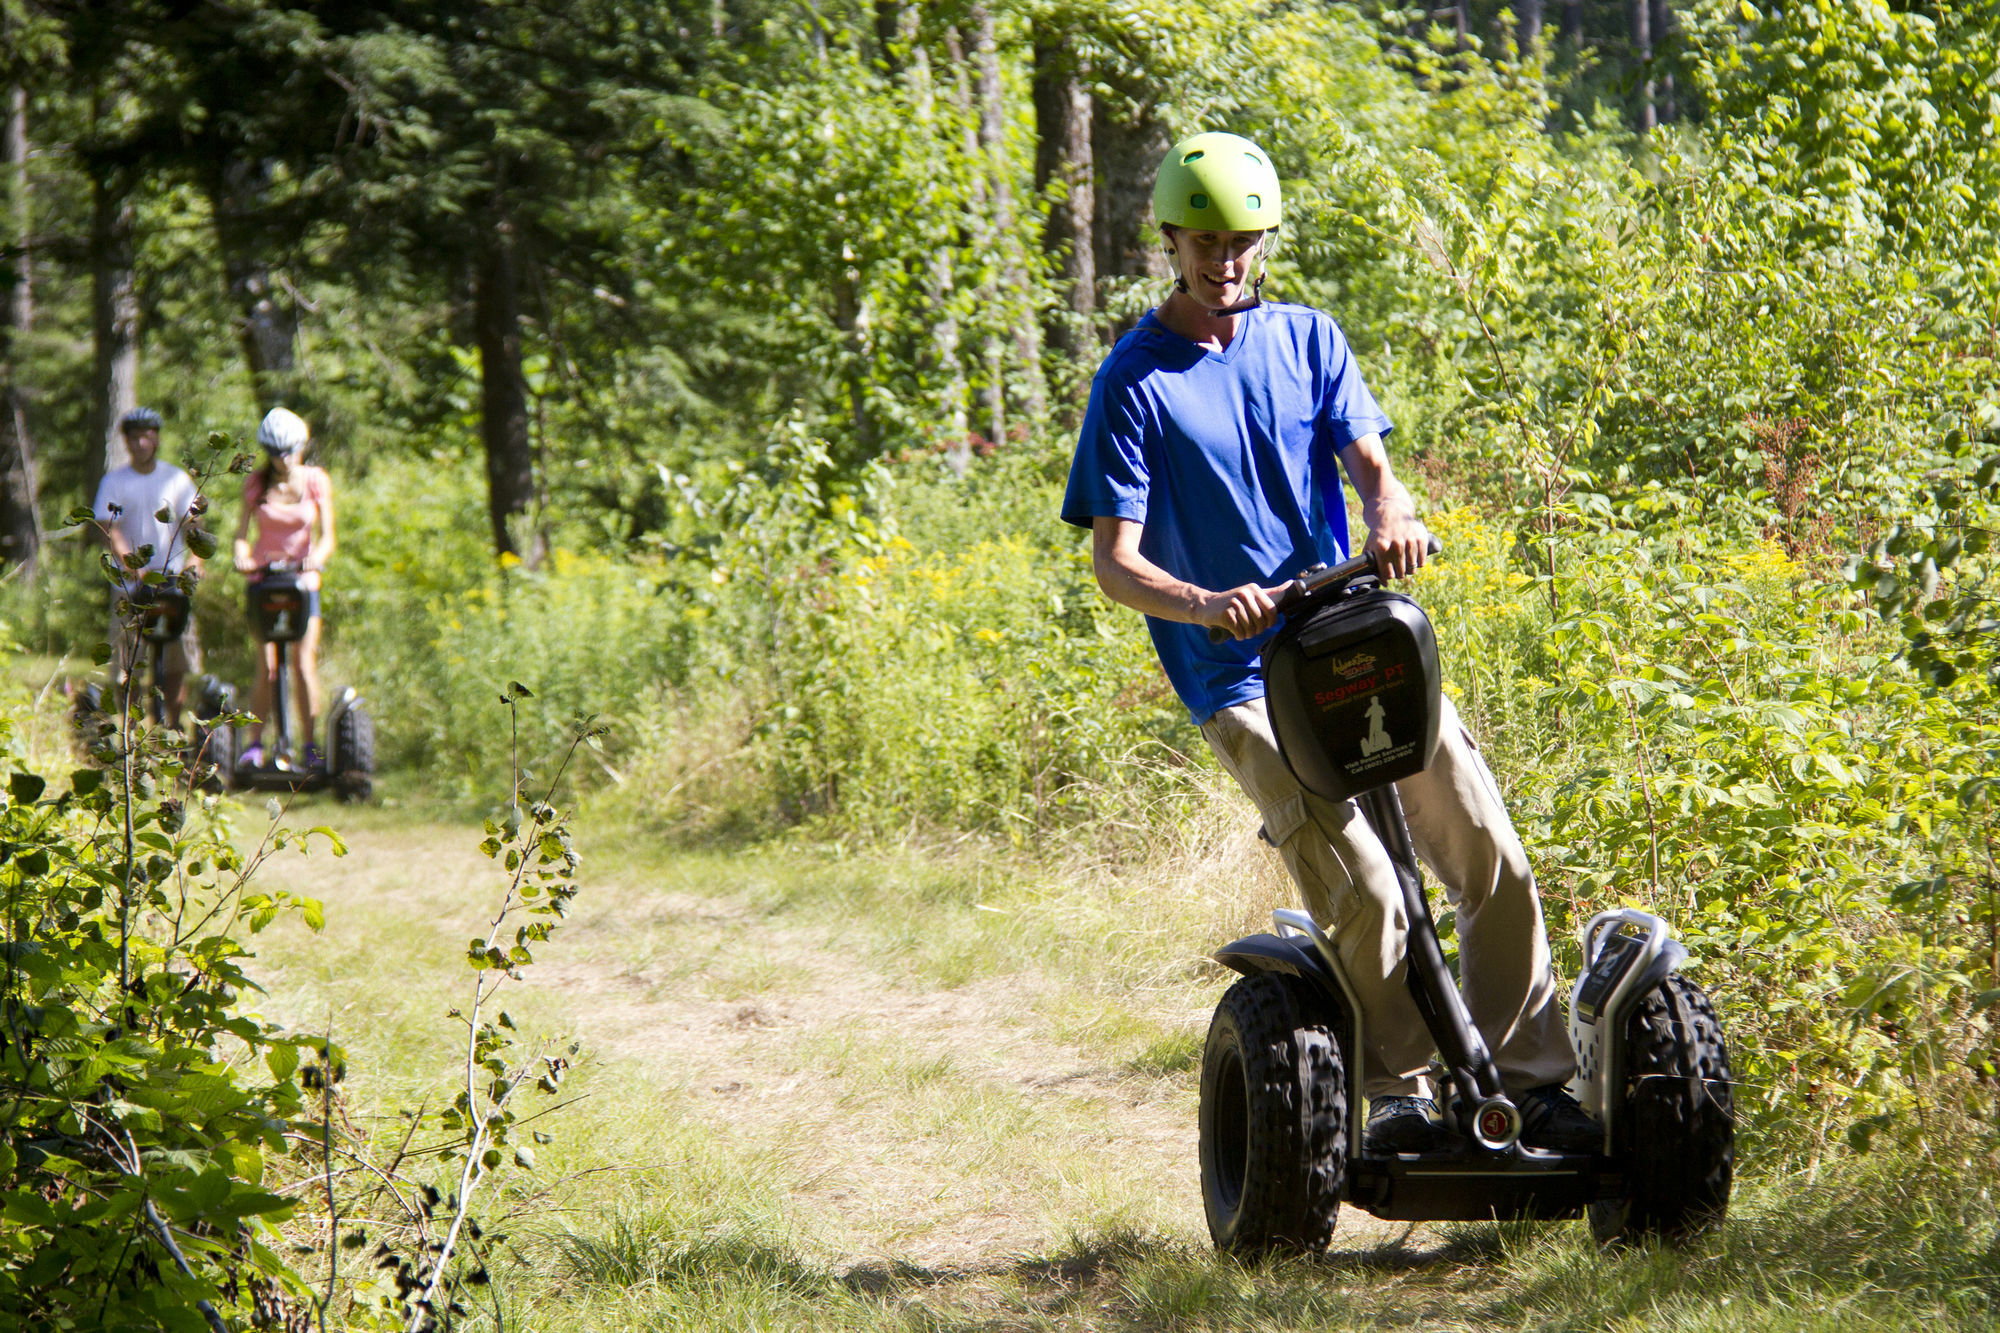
{"type": "Point", "coordinates": [934, 1125]}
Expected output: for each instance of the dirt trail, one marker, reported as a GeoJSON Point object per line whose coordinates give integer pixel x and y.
{"type": "Point", "coordinates": [940, 1126]}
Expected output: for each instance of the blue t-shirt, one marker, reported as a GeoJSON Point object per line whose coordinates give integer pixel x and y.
{"type": "Point", "coordinates": [1229, 459]}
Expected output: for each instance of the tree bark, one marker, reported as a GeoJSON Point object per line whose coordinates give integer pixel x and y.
{"type": "Point", "coordinates": [20, 512]}
{"type": "Point", "coordinates": [266, 320]}
{"type": "Point", "coordinates": [1640, 13]}
{"type": "Point", "coordinates": [503, 397]}
{"type": "Point", "coordinates": [1662, 30]}
{"type": "Point", "coordinates": [888, 16]}
{"type": "Point", "coordinates": [1129, 245]}
{"type": "Point", "coordinates": [114, 381]}
{"type": "Point", "coordinates": [1461, 21]}
{"type": "Point", "coordinates": [983, 231]}
{"type": "Point", "coordinates": [1530, 24]}
{"type": "Point", "coordinates": [1572, 22]}
{"type": "Point", "coordinates": [850, 316]}
{"type": "Point", "coordinates": [941, 287]}
{"type": "Point", "coordinates": [1063, 153]}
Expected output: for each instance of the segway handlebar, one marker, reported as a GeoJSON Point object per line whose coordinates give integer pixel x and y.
{"type": "Point", "coordinates": [1323, 579]}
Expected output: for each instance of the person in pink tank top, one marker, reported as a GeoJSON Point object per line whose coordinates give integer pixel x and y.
{"type": "Point", "coordinates": [286, 522]}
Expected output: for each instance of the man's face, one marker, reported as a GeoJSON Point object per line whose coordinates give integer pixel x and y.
{"type": "Point", "coordinates": [1216, 265]}
{"type": "Point", "coordinates": [143, 445]}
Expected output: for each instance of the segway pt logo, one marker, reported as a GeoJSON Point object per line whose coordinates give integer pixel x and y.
{"type": "Point", "coordinates": [1377, 739]}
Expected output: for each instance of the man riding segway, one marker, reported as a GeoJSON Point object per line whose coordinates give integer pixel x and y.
{"type": "Point", "coordinates": [147, 504]}
{"type": "Point", "coordinates": [1208, 470]}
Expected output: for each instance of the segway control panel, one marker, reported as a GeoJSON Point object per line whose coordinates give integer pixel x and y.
{"type": "Point", "coordinates": [1353, 693]}
{"type": "Point", "coordinates": [163, 612]}
{"type": "Point", "coordinates": [278, 607]}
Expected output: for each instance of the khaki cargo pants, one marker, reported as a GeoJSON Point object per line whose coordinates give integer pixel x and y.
{"type": "Point", "coordinates": [1463, 834]}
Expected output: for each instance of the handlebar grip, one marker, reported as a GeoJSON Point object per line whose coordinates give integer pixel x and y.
{"type": "Point", "coordinates": [1297, 590]}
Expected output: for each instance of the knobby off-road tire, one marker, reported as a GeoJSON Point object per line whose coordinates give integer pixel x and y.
{"type": "Point", "coordinates": [1273, 1119]}
{"type": "Point", "coordinates": [1676, 1133]}
{"type": "Point", "coordinates": [353, 755]}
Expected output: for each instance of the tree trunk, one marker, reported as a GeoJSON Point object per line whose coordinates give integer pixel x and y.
{"type": "Point", "coordinates": [1641, 14]}
{"type": "Point", "coordinates": [114, 381]}
{"type": "Point", "coordinates": [20, 513]}
{"type": "Point", "coordinates": [1461, 21]}
{"type": "Point", "coordinates": [503, 397]}
{"type": "Point", "coordinates": [1572, 22]}
{"type": "Point", "coordinates": [888, 17]}
{"type": "Point", "coordinates": [1017, 307]}
{"type": "Point", "coordinates": [1662, 30]}
{"type": "Point", "coordinates": [266, 321]}
{"type": "Point", "coordinates": [1063, 163]}
{"type": "Point", "coordinates": [850, 316]}
{"type": "Point", "coordinates": [941, 287]}
{"type": "Point", "coordinates": [1129, 245]}
{"type": "Point", "coordinates": [1530, 24]}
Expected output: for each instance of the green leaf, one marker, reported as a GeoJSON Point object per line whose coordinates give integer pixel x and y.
{"type": "Point", "coordinates": [26, 788]}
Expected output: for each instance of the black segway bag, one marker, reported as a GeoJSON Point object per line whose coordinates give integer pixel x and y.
{"type": "Point", "coordinates": [1353, 693]}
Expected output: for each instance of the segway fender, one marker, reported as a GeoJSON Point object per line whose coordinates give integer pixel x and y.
{"type": "Point", "coordinates": [1301, 949]}
{"type": "Point", "coordinates": [1626, 954]}
{"type": "Point", "coordinates": [1292, 955]}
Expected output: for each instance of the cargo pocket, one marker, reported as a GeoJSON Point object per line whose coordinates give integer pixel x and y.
{"type": "Point", "coordinates": [1283, 819]}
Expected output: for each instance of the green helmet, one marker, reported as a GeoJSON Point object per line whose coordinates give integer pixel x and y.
{"type": "Point", "coordinates": [1217, 182]}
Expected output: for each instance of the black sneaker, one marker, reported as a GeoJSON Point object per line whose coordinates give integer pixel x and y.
{"type": "Point", "coordinates": [1403, 1124]}
{"type": "Point", "coordinates": [1554, 1121]}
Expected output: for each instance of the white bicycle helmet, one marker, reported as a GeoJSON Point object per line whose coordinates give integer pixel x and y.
{"type": "Point", "coordinates": [283, 432]}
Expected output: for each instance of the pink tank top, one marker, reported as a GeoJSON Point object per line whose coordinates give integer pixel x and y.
{"type": "Point", "coordinates": [284, 531]}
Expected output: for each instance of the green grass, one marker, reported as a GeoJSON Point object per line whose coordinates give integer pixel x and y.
{"type": "Point", "coordinates": [837, 1092]}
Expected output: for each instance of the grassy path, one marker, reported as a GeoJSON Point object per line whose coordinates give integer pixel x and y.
{"type": "Point", "coordinates": [917, 1092]}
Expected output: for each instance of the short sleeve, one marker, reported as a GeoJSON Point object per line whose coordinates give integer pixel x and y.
{"type": "Point", "coordinates": [320, 487]}
{"type": "Point", "coordinates": [1108, 477]}
{"type": "Point", "coordinates": [1348, 410]}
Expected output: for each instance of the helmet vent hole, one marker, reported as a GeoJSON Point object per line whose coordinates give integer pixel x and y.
{"type": "Point", "coordinates": [1254, 201]}
{"type": "Point", "coordinates": [1198, 201]}
{"type": "Point", "coordinates": [1196, 155]}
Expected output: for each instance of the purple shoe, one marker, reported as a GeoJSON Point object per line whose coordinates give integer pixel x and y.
{"type": "Point", "coordinates": [312, 758]}
{"type": "Point", "coordinates": [251, 758]}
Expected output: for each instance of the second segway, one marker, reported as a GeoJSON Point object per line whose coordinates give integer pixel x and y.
{"type": "Point", "coordinates": [278, 610]}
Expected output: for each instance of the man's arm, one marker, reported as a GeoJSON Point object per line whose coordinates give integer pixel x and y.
{"type": "Point", "coordinates": [1130, 579]}
{"type": "Point", "coordinates": [1394, 534]}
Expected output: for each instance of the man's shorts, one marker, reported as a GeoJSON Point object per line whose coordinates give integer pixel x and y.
{"type": "Point", "coordinates": [183, 654]}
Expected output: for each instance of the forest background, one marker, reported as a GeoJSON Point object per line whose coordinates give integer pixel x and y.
{"type": "Point", "coordinates": [711, 368]}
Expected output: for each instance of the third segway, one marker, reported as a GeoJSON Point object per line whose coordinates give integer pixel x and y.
{"type": "Point", "coordinates": [278, 610]}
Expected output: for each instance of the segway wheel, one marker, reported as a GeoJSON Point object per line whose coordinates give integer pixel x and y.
{"type": "Point", "coordinates": [353, 755]}
{"type": "Point", "coordinates": [1273, 1119]}
{"type": "Point", "coordinates": [1676, 1136]}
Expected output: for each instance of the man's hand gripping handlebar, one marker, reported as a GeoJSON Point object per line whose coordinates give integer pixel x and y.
{"type": "Point", "coordinates": [1319, 581]}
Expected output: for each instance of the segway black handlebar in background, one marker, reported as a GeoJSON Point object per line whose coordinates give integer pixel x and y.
{"type": "Point", "coordinates": [1323, 578]}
